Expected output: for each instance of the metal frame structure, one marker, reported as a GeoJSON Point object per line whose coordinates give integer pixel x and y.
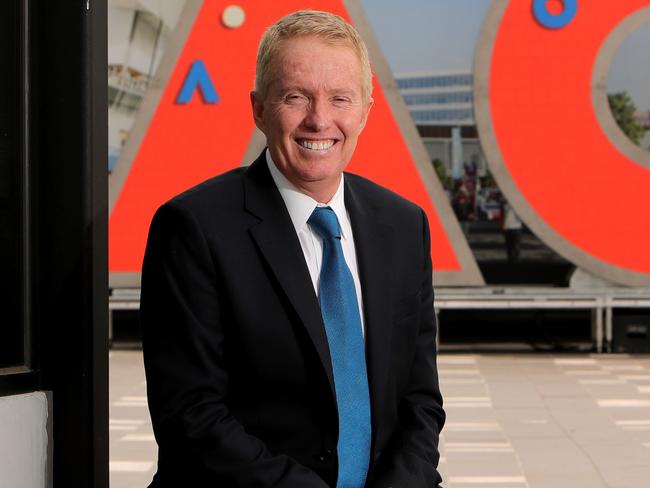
{"type": "Point", "coordinates": [601, 302]}
{"type": "Point", "coordinates": [64, 235]}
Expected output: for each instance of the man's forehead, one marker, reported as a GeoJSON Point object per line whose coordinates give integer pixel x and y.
{"type": "Point", "coordinates": [307, 55]}
{"type": "Point", "coordinates": [298, 43]}
{"type": "Point", "coordinates": [296, 63]}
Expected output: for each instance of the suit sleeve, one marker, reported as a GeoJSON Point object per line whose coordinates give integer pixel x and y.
{"type": "Point", "coordinates": [411, 459]}
{"type": "Point", "coordinates": [187, 378]}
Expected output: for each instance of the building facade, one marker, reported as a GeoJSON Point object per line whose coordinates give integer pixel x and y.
{"type": "Point", "coordinates": [441, 106]}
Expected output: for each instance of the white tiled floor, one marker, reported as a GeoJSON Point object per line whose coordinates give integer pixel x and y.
{"type": "Point", "coordinates": [132, 446]}
{"type": "Point", "coordinates": [514, 420]}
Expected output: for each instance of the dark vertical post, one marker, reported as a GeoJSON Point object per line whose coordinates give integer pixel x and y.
{"type": "Point", "coordinates": [68, 143]}
{"type": "Point", "coordinates": [97, 98]}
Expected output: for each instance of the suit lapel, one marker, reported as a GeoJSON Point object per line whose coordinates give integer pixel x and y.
{"type": "Point", "coordinates": [373, 241]}
{"type": "Point", "coordinates": [276, 239]}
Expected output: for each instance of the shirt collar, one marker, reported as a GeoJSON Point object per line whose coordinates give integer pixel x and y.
{"type": "Point", "coordinates": [301, 206]}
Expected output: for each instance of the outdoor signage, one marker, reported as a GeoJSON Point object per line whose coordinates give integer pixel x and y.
{"type": "Point", "coordinates": [549, 137]}
{"type": "Point", "coordinates": [197, 123]}
{"type": "Point", "coordinates": [540, 106]}
{"type": "Point", "coordinates": [198, 79]}
{"type": "Point", "coordinates": [562, 13]}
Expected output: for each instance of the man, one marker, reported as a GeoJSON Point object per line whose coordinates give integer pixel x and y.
{"type": "Point", "coordinates": [287, 309]}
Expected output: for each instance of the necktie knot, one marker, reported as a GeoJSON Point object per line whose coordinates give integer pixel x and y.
{"type": "Point", "coordinates": [324, 222]}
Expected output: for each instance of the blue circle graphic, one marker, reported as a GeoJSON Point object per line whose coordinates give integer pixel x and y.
{"type": "Point", "coordinates": [552, 21]}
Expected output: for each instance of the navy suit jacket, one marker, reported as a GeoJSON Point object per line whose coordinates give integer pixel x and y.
{"type": "Point", "coordinates": [239, 376]}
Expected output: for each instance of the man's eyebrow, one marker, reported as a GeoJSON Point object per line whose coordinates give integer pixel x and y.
{"type": "Point", "coordinates": [289, 88]}
{"type": "Point", "coordinates": [283, 90]}
{"type": "Point", "coordinates": [342, 91]}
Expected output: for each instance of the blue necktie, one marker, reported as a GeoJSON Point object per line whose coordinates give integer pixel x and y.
{"type": "Point", "coordinates": [340, 311]}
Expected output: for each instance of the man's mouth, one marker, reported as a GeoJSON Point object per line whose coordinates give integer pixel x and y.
{"type": "Point", "coordinates": [321, 145]}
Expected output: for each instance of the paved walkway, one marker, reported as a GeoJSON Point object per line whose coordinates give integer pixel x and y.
{"type": "Point", "coordinates": [514, 421]}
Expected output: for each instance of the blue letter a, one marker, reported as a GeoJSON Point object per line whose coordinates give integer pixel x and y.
{"type": "Point", "coordinates": [198, 76]}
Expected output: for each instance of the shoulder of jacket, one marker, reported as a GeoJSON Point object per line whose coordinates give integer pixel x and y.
{"type": "Point", "coordinates": [215, 192]}
{"type": "Point", "coordinates": [380, 197]}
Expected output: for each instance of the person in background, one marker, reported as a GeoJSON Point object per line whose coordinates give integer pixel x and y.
{"type": "Point", "coordinates": [512, 231]}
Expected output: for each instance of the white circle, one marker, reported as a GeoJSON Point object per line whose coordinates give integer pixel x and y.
{"type": "Point", "coordinates": [233, 16]}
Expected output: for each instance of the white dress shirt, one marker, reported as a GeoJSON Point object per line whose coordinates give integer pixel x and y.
{"type": "Point", "coordinates": [300, 207]}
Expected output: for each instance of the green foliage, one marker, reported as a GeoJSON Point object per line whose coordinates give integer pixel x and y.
{"type": "Point", "coordinates": [623, 110]}
{"type": "Point", "coordinates": [489, 181]}
{"type": "Point", "coordinates": [443, 176]}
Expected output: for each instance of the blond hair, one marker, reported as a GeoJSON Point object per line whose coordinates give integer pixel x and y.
{"type": "Point", "coordinates": [326, 26]}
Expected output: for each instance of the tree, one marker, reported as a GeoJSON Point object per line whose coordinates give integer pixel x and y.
{"type": "Point", "coordinates": [443, 175]}
{"type": "Point", "coordinates": [623, 110]}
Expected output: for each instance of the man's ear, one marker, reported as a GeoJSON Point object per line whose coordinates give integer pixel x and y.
{"type": "Point", "coordinates": [366, 112]}
{"type": "Point", "coordinates": [257, 104]}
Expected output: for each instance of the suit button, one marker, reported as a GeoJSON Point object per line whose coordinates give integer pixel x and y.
{"type": "Point", "coordinates": [325, 456]}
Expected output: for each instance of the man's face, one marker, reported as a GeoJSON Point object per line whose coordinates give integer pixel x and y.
{"type": "Point", "coordinates": [313, 112]}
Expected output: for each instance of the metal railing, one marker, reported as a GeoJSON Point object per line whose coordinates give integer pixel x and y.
{"type": "Point", "coordinates": [601, 302]}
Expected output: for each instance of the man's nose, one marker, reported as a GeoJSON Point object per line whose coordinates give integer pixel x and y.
{"type": "Point", "coordinates": [318, 116]}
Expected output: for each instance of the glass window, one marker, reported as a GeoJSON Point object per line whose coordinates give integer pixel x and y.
{"type": "Point", "coordinates": [441, 98]}
{"type": "Point", "coordinates": [451, 115]}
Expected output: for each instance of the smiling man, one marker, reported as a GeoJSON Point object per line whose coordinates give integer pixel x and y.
{"type": "Point", "coordinates": [287, 307]}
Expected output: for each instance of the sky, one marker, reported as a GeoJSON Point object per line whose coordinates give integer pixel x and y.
{"type": "Point", "coordinates": [422, 35]}
{"type": "Point", "coordinates": [630, 68]}
{"type": "Point", "coordinates": [426, 35]}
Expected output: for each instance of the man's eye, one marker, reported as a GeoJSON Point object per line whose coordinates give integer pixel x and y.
{"type": "Point", "coordinates": [341, 100]}
{"type": "Point", "coordinates": [295, 98]}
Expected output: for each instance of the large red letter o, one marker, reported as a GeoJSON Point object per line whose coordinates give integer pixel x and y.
{"type": "Point", "coordinates": [542, 116]}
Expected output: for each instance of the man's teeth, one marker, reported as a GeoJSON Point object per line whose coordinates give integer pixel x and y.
{"type": "Point", "coordinates": [316, 145]}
